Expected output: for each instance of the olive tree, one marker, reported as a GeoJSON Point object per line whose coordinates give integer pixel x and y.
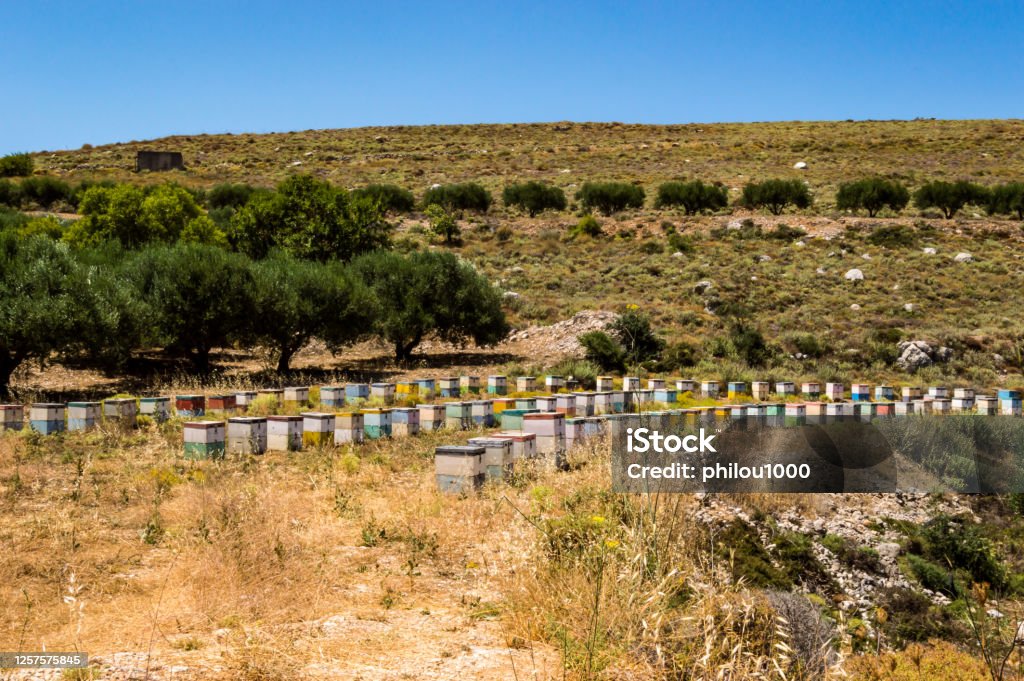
{"type": "Point", "coordinates": [694, 197]}
{"type": "Point", "coordinates": [610, 197]}
{"type": "Point", "coordinates": [872, 194]}
{"type": "Point", "coordinates": [949, 197]}
{"type": "Point", "coordinates": [534, 197]}
{"type": "Point", "coordinates": [776, 195]}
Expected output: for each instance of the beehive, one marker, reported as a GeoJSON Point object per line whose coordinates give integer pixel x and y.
{"type": "Point", "coordinates": [276, 394]}
{"type": "Point", "coordinates": [902, 408]}
{"type": "Point", "coordinates": [332, 397]}
{"type": "Point", "coordinates": [385, 392]}
{"type": "Point", "coordinates": [815, 411]}
{"type": "Point", "coordinates": [427, 387]}
{"type": "Point", "coordinates": [46, 417]}
{"type": "Point", "coordinates": [83, 415]}
{"type": "Point", "coordinates": [566, 404]}
{"type": "Point", "coordinates": [458, 415]}
{"type": "Point", "coordinates": [910, 393]}
{"type": "Point", "coordinates": [884, 409]}
{"type": "Point", "coordinates": [469, 384]}
{"type": "Point", "coordinates": [220, 404]}
{"type": "Point", "coordinates": [665, 395]}
{"type": "Point", "coordinates": [922, 406]}
{"type": "Point", "coordinates": [12, 417]}
{"type": "Point", "coordinates": [190, 406]}
{"type": "Point", "coordinates": [655, 383]}
{"type": "Point", "coordinates": [554, 384]}
{"type": "Point", "coordinates": [736, 390]}
{"type": "Point", "coordinates": [941, 405]}
{"type": "Point", "coordinates": [618, 401]}
{"type": "Point", "coordinates": [458, 469]}
{"type": "Point", "coordinates": [860, 392]}
{"type": "Point", "coordinates": [686, 385]}
{"type": "Point", "coordinates": [526, 403]}
{"type": "Point", "coordinates": [526, 384]}
{"type": "Point", "coordinates": [604, 384]}
{"type": "Point", "coordinates": [630, 383]}
{"type": "Point", "coordinates": [497, 458]}
{"type": "Point", "coordinates": [317, 429]}
{"type": "Point", "coordinates": [834, 391]}
{"type": "Point", "coordinates": [512, 419]}
{"type": "Point", "coordinates": [775, 414]}
{"type": "Point", "coordinates": [546, 403]}
{"type": "Point", "coordinates": [987, 406]}
{"type": "Point", "coordinates": [499, 406]}
{"type": "Point", "coordinates": [156, 408]}
{"type": "Point", "coordinates": [593, 426]}
{"type": "Point", "coordinates": [296, 397]}
{"type": "Point", "coordinates": [549, 427]}
{"type": "Point", "coordinates": [348, 427]}
{"type": "Point", "coordinates": [795, 415]}
{"type": "Point", "coordinates": [482, 413]}
{"type": "Point", "coordinates": [709, 389]}
{"type": "Point", "coordinates": [1009, 402]}
{"type": "Point", "coordinates": [938, 392]}
{"type": "Point", "coordinates": [572, 384]}
{"type": "Point", "coordinates": [406, 389]}
{"type": "Point", "coordinates": [405, 422]}
{"type": "Point", "coordinates": [377, 423]}
{"type": "Point", "coordinates": [122, 410]}
{"type": "Point", "coordinates": [760, 390]}
{"type": "Point", "coordinates": [810, 391]}
{"type": "Point", "coordinates": [603, 403]}
{"type": "Point", "coordinates": [865, 411]}
{"type": "Point", "coordinates": [449, 387]}
{"type": "Point", "coordinates": [284, 433]}
{"type": "Point", "coordinates": [573, 432]}
{"type": "Point", "coordinates": [785, 388]}
{"type": "Point", "coordinates": [884, 393]}
{"type": "Point", "coordinates": [204, 439]}
{"type": "Point", "coordinates": [243, 399]}
{"type": "Point", "coordinates": [963, 400]}
{"type": "Point", "coordinates": [497, 385]}
{"type": "Point", "coordinates": [431, 417]}
{"type": "Point", "coordinates": [833, 410]}
{"type": "Point", "coordinates": [584, 404]}
{"type": "Point", "coordinates": [247, 435]}
{"type": "Point", "coordinates": [356, 393]}
{"type": "Point", "coordinates": [524, 445]}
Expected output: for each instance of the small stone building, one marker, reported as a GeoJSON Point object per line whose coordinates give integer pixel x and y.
{"type": "Point", "coordinates": [159, 161]}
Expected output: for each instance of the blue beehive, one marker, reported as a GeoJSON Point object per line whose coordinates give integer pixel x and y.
{"type": "Point", "coordinates": [665, 395]}
{"type": "Point", "coordinates": [356, 393]}
{"type": "Point", "coordinates": [377, 423]}
{"type": "Point", "coordinates": [46, 418]}
{"type": "Point", "coordinates": [497, 385]}
{"type": "Point", "coordinates": [449, 387]}
{"type": "Point", "coordinates": [427, 386]}
{"type": "Point", "coordinates": [83, 415]}
{"type": "Point", "coordinates": [884, 393]}
{"type": "Point", "coordinates": [332, 396]}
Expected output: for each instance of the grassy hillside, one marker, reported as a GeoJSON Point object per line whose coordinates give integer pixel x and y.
{"type": "Point", "coordinates": [569, 153]}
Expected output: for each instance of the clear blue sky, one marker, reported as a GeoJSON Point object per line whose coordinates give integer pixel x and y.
{"type": "Point", "coordinates": [97, 72]}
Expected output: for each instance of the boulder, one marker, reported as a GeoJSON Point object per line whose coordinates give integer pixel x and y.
{"type": "Point", "coordinates": [963, 257]}
{"type": "Point", "coordinates": [702, 286]}
{"type": "Point", "coordinates": [800, 165]}
{"type": "Point", "coordinates": [854, 275]}
{"type": "Point", "coordinates": [914, 355]}
{"type": "Point", "coordinates": [928, 250]}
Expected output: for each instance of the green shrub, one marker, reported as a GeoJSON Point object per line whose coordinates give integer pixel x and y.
{"type": "Point", "coordinates": [504, 233]}
{"type": "Point", "coordinates": [932, 576]}
{"type": "Point", "coordinates": [45, 192]}
{"type": "Point", "coordinates": [784, 232]}
{"type": "Point", "coordinates": [694, 197]}
{"type": "Point", "coordinates": [677, 356]}
{"type": "Point", "coordinates": [10, 194]}
{"type": "Point", "coordinates": [603, 350]}
{"type": "Point", "coordinates": [950, 197]}
{"type": "Point", "coordinates": [892, 236]}
{"type": "Point", "coordinates": [389, 197]}
{"type": "Point", "coordinates": [610, 197]}
{"type": "Point", "coordinates": [228, 195]}
{"type": "Point", "coordinates": [1007, 199]}
{"type": "Point", "coordinates": [749, 344]}
{"type": "Point", "coordinates": [459, 197]}
{"type": "Point", "coordinates": [633, 331]}
{"type": "Point", "coordinates": [587, 226]}
{"type": "Point", "coordinates": [133, 217]}
{"type": "Point", "coordinates": [872, 194]}
{"type": "Point", "coordinates": [443, 223]}
{"type": "Point", "coordinates": [651, 247]}
{"type": "Point", "coordinates": [680, 243]}
{"type": "Point", "coordinates": [534, 197]}
{"type": "Point", "coordinates": [16, 165]}
{"type": "Point", "coordinates": [776, 195]}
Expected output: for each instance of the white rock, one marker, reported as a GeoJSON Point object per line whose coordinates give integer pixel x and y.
{"type": "Point", "coordinates": [799, 243]}
{"type": "Point", "coordinates": [764, 258]}
{"type": "Point", "coordinates": [855, 306]}
{"type": "Point", "coordinates": [854, 275]}
{"type": "Point", "coordinates": [677, 254]}
{"type": "Point", "coordinates": [821, 270]}
{"type": "Point", "coordinates": [866, 256]}
{"type": "Point", "coordinates": [963, 257]}
{"type": "Point", "coordinates": [928, 250]}
{"type": "Point", "coordinates": [702, 286]}
{"type": "Point", "coordinates": [800, 165]}
{"type": "Point", "coordinates": [734, 224]}
{"type": "Point", "coordinates": [909, 307]}
{"type": "Point", "coordinates": [295, 163]}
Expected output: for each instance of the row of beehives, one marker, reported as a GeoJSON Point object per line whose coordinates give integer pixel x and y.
{"type": "Point", "coordinates": [49, 417]}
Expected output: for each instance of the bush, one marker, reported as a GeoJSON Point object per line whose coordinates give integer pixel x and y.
{"type": "Point", "coordinates": [45, 192]}
{"type": "Point", "coordinates": [132, 217]}
{"type": "Point", "coordinates": [228, 196]}
{"type": "Point", "coordinates": [603, 350]}
{"type": "Point", "coordinates": [678, 356]}
{"type": "Point", "coordinates": [1006, 199]}
{"type": "Point", "coordinates": [443, 223]}
{"type": "Point", "coordinates": [776, 195]}
{"type": "Point", "coordinates": [680, 243]}
{"type": "Point", "coordinates": [10, 194]}
{"type": "Point", "coordinates": [587, 226]}
{"type": "Point", "coordinates": [932, 576]}
{"type": "Point", "coordinates": [784, 232]}
{"type": "Point", "coordinates": [534, 197]}
{"type": "Point", "coordinates": [610, 197]}
{"type": "Point", "coordinates": [950, 197]}
{"type": "Point", "coordinates": [892, 236]}
{"type": "Point", "coordinates": [749, 344]}
{"type": "Point", "coordinates": [872, 194]}
{"type": "Point", "coordinates": [633, 331]}
{"type": "Point", "coordinates": [503, 233]}
{"type": "Point", "coordinates": [458, 197]}
{"type": "Point", "coordinates": [390, 197]}
{"type": "Point", "coordinates": [694, 196]}
{"type": "Point", "coordinates": [651, 247]}
{"type": "Point", "coordinates": [16, 165]}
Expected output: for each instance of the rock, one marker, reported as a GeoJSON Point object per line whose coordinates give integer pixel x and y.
{"type": "Point", "coordinates": [998, 359]}
{"type": "Point", "coordinates": [855, 306]}
{"type": "Point", "coordinates": [702, 286]}
{"type": "Point", "coordinates": [764, 258]}
{"type": "Point", "coordinates": [511, 295]}
{"type": "Point", "coordinates": [963, 257]}
{"type": "Point", "coordinates": [866, 256]}
{"type": "Point", "coordinates": [734, 224]}
{"type": "Point", "coordinates": [295, 163]}
{"type": "Point", "coordinates": [909, 307]}
{"type": "Point", "coordinates": [928, 250]}
{"type": "Point", "coordinates": [888, 550]}
{"type": "Point", "coordinates": [854, 275]}
{"type": "Point", "coordinates": [517, 270]}
{"type": "Point", "coordinates": [799, 243]}
{"type": "Point", "coordinates": [821, 270]}
{"type": "Point", "coordinates": [800, 165]}
{"type": "Point", "coordinates": [677, 254]}
{"type": "Point", "coordinates": [943, 354]}
{"type": "Point", "coordinates": [914, 355]}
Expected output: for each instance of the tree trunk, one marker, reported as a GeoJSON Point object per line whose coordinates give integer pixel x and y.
{"type": "Point", "coordinates": [284, 360]}
{"type": "Point", "coordinates": [201, 360]}
{"type": "Point", "coordinates": [7, 367]}
{"type": "Point", "coordinates": [403, 351]}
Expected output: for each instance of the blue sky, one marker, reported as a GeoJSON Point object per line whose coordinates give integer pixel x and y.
{"type": "Point", "coordinates": [98, 72]}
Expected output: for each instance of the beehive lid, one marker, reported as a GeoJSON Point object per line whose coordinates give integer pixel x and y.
{"type": "Point", "coordinates": [284, 418]}
{"type": "Point", "coordinates": [460, 450]}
